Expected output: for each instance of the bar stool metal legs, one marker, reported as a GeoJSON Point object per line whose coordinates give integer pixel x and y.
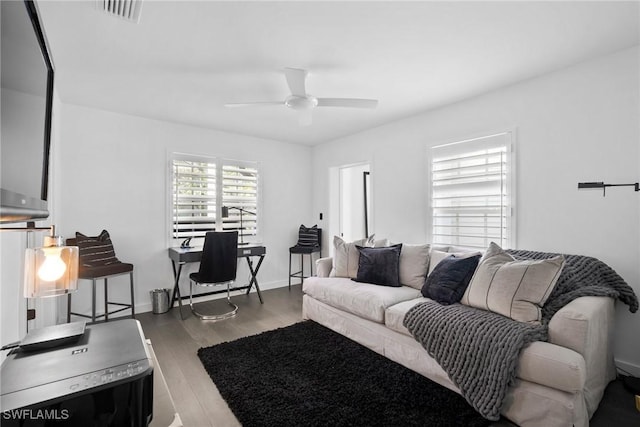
{"type": "Point", "coordinates": [300, 274]}
{"type": "Point", "coordinates": [94, 316]}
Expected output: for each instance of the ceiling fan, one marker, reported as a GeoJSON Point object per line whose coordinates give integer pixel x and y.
{"type": "Point", "coordinates": [303, 102]}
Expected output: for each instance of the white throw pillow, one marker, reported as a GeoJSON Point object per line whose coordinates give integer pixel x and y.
{"type": "Point", "coordinates": [346, 256]}
{"type": "Point", "coordinates": [516, 289]}
{"type": "Point", "coordinates": [414, 264]}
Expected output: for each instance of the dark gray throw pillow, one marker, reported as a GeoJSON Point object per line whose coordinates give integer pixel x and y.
{"type": "Point", "coordinates": [448, 281]}
{"type": "Point", "coordinates": [379, 266]}
{"type": "Point", "coordinates": [308, 236]}
{"type": "Point", "coordinates": [96, 251]}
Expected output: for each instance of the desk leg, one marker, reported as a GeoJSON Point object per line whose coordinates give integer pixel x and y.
{"type": "Point", "coordinates": [254, 276]}
{"type": "Point", "coordinates": [176, 285]}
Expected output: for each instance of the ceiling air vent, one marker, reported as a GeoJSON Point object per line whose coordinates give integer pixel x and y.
{"type": "Point", "coordinates": [129, 10]}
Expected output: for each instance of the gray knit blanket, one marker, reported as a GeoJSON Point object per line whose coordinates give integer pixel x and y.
{"type": "Point", "coordinates": [581, 276]}
{"type": "Point", "coordinates": [480, 350]}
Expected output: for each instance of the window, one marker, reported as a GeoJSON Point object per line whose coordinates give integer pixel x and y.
{"type": "Point", "coordinates": [201, 186]}
{"type": "Point", "coordinates": [472, 193]}
{"type": "Point", "coordinates": [240, 191]}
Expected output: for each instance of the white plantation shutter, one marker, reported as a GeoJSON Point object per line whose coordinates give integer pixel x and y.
{"type": "Point", "coordinates": [471, 192]}
{"type": "Point", "coordinates": [201, 186]}
{"type": "Point", "coordinates": [240, 190]}
{"type": "Point", "coordinates": [193, 198]}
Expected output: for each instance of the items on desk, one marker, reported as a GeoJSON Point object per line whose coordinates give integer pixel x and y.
{"type": "Point", "coordinates": [185, 243]}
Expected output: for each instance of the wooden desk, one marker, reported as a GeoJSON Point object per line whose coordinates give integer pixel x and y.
{"type": "Point", "coordinates": [182, 256]}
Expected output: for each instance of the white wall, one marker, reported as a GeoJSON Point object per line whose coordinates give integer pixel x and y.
{"type": "Point", "coordinates": [577, 124]}
{"type": "Point", "coordinates": [13, 306]}
{"type": "Point", "coordinates": [113, 175]}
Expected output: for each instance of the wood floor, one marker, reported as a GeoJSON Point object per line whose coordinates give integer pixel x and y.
{"type": "Point", "coordinates": [198, 402]}
{"type": "Point", "coordinates": [176, 342]}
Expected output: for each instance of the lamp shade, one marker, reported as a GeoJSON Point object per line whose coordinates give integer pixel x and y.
{"type": "Point", "coordinates": [50, 271]}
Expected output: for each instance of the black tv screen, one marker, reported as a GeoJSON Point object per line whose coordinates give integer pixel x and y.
{"type": "Point", "coordinates": [26, 104]}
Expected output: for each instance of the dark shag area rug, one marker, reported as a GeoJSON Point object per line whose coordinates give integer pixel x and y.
{"type": "Point", "coordinates": [307, 375]}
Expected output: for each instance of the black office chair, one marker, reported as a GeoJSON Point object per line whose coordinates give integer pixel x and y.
{"type": "Point", "coordinates": [218, 266]}
{"type": "Point", "coordinates": [97, 260]}
{"type": "Point", "coordinates": [309, 242]}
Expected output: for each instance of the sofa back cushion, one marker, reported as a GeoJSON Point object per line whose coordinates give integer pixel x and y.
{"type": "Point", "coordinates": [437, 255]}
{"type": "Point", "coordinates": [414, 264]}
{"type": "Point", "coordinates": [346, 256]}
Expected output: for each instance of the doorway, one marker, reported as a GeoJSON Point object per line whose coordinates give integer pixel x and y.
{"type": "Point", "coordinates": [355, 201]}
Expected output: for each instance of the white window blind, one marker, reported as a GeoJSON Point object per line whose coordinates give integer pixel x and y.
{"type": "Point", "coordinates": [193, 198]}
{"type": "Point", "coordinates": [201, 186]}
{"type": "Point", "coordinates": [471, 192]}
{"type": "Point", "coordinates": [240, 191]}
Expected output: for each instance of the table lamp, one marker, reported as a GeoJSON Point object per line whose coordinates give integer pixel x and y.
{"type": "Point", "coordinates": [51, 270]}
{"type": "Point", "coordinates": [225, 214]}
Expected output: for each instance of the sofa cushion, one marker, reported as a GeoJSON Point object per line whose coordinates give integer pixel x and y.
{"type": "Point", "coordinates": [448, 281]}
{"type": "Point", "coordinates": [414, 264]}
{"type": "Point", "coordinates": [361, 299]}
{"type": "Point", "coordinates": [379, 266]}
{"type": "Point", "coordinates": [394, 316]}
{"type": "Point", "coordinates": [516, 289]}
{"type": "Point", "coordinates": [346, 256]}
{"type": "Point", "coordinates": [552, 365]}
{"type": "Point", "coordinates": [540, 362]}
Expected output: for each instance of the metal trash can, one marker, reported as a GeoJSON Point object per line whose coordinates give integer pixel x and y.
{"type": "Point", "coordinates": [160, 300]}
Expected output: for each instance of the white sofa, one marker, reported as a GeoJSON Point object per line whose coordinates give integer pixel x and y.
{"type": "Point", "coordinates": [559, 383]}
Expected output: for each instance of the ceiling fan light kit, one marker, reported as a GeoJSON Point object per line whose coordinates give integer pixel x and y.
{"type": "Point", "coordinates": [303, 102]}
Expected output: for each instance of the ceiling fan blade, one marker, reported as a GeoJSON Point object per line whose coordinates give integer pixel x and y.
{"type": "Point", "coordinates": [253, 104]}
{"type": "Point", "coordinates": [347, 102]}
{"type": "Point", "coordinates": [305, 117]}
{"type": "Point", "coordinates": [295, 79]}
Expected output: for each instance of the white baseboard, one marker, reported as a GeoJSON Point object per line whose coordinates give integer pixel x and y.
{"type": "Point", "coordinates": [147, 306]}
{"type": "Point", "coordinates": [627, 367]}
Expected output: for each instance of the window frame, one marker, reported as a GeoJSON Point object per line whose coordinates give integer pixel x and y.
{"type": "Point", "coordinates": [510, 183]}
{"type": "Point", "coordinates": [219, 163]}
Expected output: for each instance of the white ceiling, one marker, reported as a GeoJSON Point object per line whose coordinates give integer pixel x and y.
{"type": "Point", "coordinates": [184, 60]}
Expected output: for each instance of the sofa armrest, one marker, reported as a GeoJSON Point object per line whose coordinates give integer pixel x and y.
{"type": "Point", "coordinates": [585, 325]}
{"type": "Point", "coordinates": [582, 323]}
{"type": "Point", "coordinates": [324, 266]}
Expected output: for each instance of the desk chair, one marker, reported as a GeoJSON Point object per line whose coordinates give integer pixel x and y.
{"type": "Point", "coordinates": [218, 266]}
{"type": "Point", "coordinates": [309, 242]}
{"type": "Point", "coordinates": [98, 261]}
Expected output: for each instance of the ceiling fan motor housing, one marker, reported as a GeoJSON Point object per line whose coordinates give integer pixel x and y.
{"type": "Point", "coordinates": [301, 102]}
